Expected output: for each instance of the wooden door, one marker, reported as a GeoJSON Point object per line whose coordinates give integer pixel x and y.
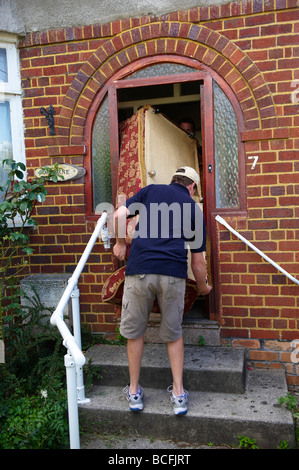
{"type": "Point", "coordinates": [166, 148]}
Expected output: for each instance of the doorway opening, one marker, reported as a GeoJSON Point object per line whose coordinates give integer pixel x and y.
{"type": "Point", "coordinates": [178, 88]}
{"type": "Point", "coordinates": [177, 102]}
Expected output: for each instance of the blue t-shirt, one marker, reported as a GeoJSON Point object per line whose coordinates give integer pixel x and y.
{"type": "Point", "coordinates": [169, 221]}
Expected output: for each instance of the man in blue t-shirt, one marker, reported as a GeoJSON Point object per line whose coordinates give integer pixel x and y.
{"type": "Point", "coordinates": [169, 222]}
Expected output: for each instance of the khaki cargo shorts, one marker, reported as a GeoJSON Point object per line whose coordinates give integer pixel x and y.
{"type": "Point", "coordinates": [139, 295]}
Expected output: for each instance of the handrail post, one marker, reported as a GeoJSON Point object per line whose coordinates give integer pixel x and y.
{"type": "Point", "coordinates": [82, 400]}
{"type": "Point", "coordinates": [72, 402]}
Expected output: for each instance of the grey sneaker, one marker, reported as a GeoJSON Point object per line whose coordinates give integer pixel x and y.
{"type": "Point", "coordinates": [180, 406]}
{"type": "Point", "coordinates": [135, 399]}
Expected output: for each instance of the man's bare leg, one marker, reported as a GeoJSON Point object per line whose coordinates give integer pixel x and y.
{"type": "Point", "coordinates": [176, 358]}
{"type": "Point", "coordinates": [135, 352]}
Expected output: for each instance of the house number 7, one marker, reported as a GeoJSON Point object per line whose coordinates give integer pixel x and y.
{"type": "Point", "coordinates": [255, 159]}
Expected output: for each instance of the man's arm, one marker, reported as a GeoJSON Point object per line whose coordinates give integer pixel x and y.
{"type": "Point", "coordinates": [120, 247]}
{"type": "Point", "coordinates": [198, 266]}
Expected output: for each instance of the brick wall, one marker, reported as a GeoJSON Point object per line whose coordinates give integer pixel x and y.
{"type": "Point", "coordinates": [254, 46]}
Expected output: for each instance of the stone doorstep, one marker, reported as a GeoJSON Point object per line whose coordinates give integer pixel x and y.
{"type": "Point", "coordinates": [192, 333]}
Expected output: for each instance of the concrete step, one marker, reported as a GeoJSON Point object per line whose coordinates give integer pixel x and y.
{"type": "Point", "coordinates": [193, 330]}
{"type": "Point", "coordinates": [208, 369]}
{"type": "Point", "coordinates": [212, 417]}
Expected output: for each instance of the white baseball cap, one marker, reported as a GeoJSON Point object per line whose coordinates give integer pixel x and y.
{"type": "Point", "coordinates": [190, 173]}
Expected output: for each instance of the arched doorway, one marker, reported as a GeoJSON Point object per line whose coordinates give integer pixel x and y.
{"type": "Point", "coordinates": [179, 87]}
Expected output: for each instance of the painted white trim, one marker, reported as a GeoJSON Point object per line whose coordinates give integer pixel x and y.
{"type": "Point", "coordinates": [12, 92]}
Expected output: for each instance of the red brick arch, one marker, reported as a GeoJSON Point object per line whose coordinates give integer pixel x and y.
{"type": "Point", "coordinates": [203, 45]}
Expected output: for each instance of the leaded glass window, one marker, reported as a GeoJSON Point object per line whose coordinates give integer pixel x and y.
{"type": "Point", "coordinates": [157, 70]}
{"type": "Point", "coordinates": [226, 151]}
{"type": "Point", "coordinates": [101, 170]}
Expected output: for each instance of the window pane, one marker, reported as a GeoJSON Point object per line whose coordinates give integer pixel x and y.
{"type": "Point", "coordinates": [226, 151]}
{"type": "Point", "coordinates": [143, 93]}
{"type": "Point", "coordinates": [3, 66]}
{"type": "Point", "coordinates": [190, 88]}
{"type": "Point", "coordinates": [101, 171]}
{"type": "Point", "coordinates": [5, 139]}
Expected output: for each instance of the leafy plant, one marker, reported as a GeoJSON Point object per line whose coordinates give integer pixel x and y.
{"type": "Point", "coordinates": [33, 401]}
{"type": "Point", "coordinates": [33, 396]}
{"type": "Point", "coordinates": [283, 445]}
{"type": "Point", "coordinates": [291, 404]}
{"type": "Point", "coordinates": [120, 339]}
{"type": "Point", "coordinates": [34, 354]}
{"type": "Point", "coordinates": [289, 401]}
{"type": "Point", "coordinates": [247, 443]}
{"type": "Point", "coordinates": [34, 422]}
{"type": "Point", "coordinates": [19, 201]}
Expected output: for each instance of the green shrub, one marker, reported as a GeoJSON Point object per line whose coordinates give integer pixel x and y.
{"type": "Point", "coordinates": [17, 206]}
{"type": "Point", "coordinates": [34, 422]}
{"type": "Point", "coordinates": [33, 398]}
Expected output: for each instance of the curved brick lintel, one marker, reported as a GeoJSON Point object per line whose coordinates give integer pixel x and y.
{"type": "Point", "coordinates": [172, 38]}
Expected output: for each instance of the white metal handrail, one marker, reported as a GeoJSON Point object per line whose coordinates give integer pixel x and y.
{"type": "Point", "coordinates": [74, 359]}
{"type": "Point", "coordinates": [223, 222]}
